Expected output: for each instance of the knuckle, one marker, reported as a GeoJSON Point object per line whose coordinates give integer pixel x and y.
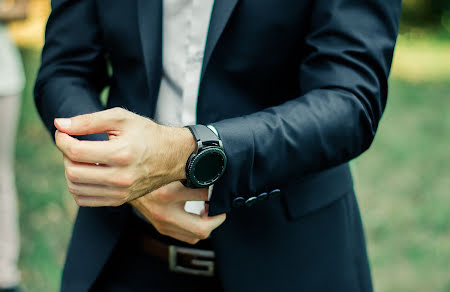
{"type": "Point", "coordinates": [116, 203]}
{"type": "Point", "coordinates": [79, 201]}
{"type": "Point", "coordinates": [193, 241]}
{"type": "Point", "coordinates": [70, 174]}
{"type": "Point", "coordinates": [126, 181]}
{"type": "Point", "coordinates": [158, 215]}
{"type": "Point", "coordinates": [86, 120]}
{"type": "Point", "coordinates": [202, 232]}
{"type": "Point", "coordinates": [122, 180]}
{"type": "Point", "coordinates": [204, 235]}
{"type": "Point", "coordinates": [118, 113]}
{"type": "Point", "coordinates": [124, 156]}
{"type": "Point", "coordinates": [116, 110]}
{"type": "Point", "coordinates": [72, 152]}
{"type": "Point", "coordinates": [72, 190]}
{"type": "Point", "coordinates": [67, 162]}
{"type": "Point", "coordinates": [58, 139]}
{"type": "Point", "coordinates": [120, 195]}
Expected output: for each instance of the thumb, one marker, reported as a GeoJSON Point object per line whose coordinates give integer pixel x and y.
{"type": "Point", "coordinates": [215, 221]}
{"type": "Point", "coordinates": [99, 122]}
{"type": "Point", "coordinates": [205, 211]}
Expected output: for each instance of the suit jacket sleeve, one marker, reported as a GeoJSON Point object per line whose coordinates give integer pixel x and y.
{"type": "Point", "coordinates": [73, 70]}
{"type": "Point", "coordinates": [343, 81]}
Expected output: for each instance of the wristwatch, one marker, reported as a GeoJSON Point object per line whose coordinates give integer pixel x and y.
{"type": "Point", "coordinates": [205, 166]}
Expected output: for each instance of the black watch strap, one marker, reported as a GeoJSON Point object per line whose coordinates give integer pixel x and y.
{"type": "Point", "coordinates": [204, 134]}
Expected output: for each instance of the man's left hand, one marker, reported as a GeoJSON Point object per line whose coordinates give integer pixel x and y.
{"type": "Point", "coordinates": [139, 157]}
{"type": "Point", "coordinates": [164, 209]}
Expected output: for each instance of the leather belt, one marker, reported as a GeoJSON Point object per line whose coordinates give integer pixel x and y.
{"type": "Point", "coordinates": [186, 260]}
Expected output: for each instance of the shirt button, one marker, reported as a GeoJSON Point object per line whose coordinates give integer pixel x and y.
{"type": "Point", "coordinates": [238, 202]}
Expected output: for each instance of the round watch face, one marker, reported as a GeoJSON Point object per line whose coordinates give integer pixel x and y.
{"type": "Point", "coordinates": [208, 166]}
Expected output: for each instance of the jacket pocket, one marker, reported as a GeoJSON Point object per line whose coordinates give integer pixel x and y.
{"type": "Point", "coordinates": [316, 191]}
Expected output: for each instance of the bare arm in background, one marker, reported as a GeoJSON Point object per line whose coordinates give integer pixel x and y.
{"type": "Point", "coordinates": [18, 10]}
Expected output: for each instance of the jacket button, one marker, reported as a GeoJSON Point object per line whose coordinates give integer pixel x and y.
{"type": "Point", "coordinates": [238, 202]}
{"type": "Point", "coordinates": [251, 201]}
{"type": "Point", "coordinates": [274, 193]}
{"type": "Point", "coordinates": [263, 196]}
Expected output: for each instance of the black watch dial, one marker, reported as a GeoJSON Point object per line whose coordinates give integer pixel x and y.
{"type": "Point", "coordinates": [208, 166]}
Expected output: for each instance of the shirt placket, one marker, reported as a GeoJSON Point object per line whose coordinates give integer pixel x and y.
{"type": "Point", "coordinates": [193, 62]}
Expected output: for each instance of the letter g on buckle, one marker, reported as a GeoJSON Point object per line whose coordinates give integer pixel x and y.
{"type": "Point", "coordinates": [201, 264]}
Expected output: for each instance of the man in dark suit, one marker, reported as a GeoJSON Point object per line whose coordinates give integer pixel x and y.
{"type": "Point", "coordinates": [292, 90]}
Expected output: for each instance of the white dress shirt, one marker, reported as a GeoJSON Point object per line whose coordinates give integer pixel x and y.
{"type": "Point", "coordinates": [185, 29]}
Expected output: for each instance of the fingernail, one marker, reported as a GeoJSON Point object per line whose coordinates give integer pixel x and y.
{"type": "Point", "coordinates": [64, 123]}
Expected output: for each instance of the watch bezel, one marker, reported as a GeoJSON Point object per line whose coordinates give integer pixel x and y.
{"type": "Point", "coordinates": [201, 155]}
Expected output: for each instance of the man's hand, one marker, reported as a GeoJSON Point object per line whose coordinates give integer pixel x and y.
{"type": "Point", "coordinates": [139, 157]}
{"type": "Point", "coordinates": [164, 208]}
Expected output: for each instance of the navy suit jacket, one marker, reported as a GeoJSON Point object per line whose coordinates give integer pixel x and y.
{"type": "Point", "coordinates": [296, 89]}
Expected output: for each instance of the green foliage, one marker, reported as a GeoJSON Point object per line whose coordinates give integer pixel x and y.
{"type": "Point", "coordinates": [426, 14]}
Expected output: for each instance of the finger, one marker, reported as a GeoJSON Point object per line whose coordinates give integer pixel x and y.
{"type": "Point", "coordinates": [181, 237]}
{"type": "Point", "coordinates": [86, 151]}
{"type": "Point", "coordinates": [165, 228]}
{"type": "Point", "coordinates": [215, 221]}
{"type": "Point", "coordinates": [89, 201]}
{"type": "Point", "coordinates": [97, 190]}
{"type": "Point", "coordinates": [177, 233]}
{"type": "Point", "coordinates": [204, 212]}
{"type": "Point", "coordinates": [200, 226]}
{"type": "Point", "coordinates": [99, 122]}
{"type": "Point", "coordinates": [97, 175]}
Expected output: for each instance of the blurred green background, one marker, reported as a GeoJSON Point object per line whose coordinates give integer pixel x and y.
{"type": "Point", "coordinates": [402, 182]}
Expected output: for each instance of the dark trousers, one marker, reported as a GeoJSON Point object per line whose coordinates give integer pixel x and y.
{"type": "Point", "coordinates": [131, 269]}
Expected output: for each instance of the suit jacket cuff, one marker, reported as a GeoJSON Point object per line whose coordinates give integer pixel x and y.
{"type": "Point", "coordinates": [238, 143]}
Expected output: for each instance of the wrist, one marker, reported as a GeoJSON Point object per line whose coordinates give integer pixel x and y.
{"type": "Point", "coordinates": [182, 144]}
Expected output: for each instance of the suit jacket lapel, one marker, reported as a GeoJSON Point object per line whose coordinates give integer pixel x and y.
{"type": "Point", "coordinates": [150, 29]}
{"type": "Point", "coordinates": [221, 13]}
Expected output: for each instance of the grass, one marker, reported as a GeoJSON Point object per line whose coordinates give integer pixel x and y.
{"type": "Point", "coordinates": [402, 183]}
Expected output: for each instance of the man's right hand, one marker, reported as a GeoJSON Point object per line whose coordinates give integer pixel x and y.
{"type": "Point", "coordinates": [164, 208]}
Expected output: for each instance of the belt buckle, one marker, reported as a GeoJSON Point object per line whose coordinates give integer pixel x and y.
{"type": "Point", "coordinates": [202, 262]}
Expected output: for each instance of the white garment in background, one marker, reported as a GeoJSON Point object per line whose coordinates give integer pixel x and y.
{"type": "Point", "coordinates": [9, 228]}
{"type": "Point", "coordinates": [12, 81]}
{"type": "Point", "coordinates": [185, 29]}
{"type": "Point", "coordinates": [12, 78]}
